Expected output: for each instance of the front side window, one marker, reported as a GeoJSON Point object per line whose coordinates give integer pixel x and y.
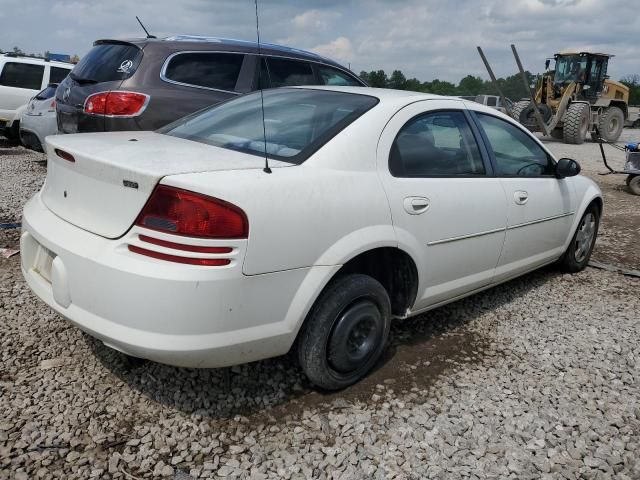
{"type": "Point", "coordinates": [297, 122]}
{"type": "Point", "coordinates": [515, 152]}
{"type": "Point", "coordinates": [436, 144]}
{"type": "Point", "coordinates": [333, 76]}
{"type": "Point", "coordinates": [205, 69]}
{"type": "Point", "coordinates": [22, 75]}
{"type": "Point", "coordinates": [287, 73]}
{"type": "Point", "coordinates": [58, 74]}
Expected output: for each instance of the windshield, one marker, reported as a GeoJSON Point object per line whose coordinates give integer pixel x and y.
{"type": "Point", "coordinates": [297, 122]}
{"type": "Point", "coordinates": [570, 68]}
{"type": "Point", "coordinates": [107, 62]}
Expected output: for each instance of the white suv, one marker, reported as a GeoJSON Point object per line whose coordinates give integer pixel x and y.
{"type": "Point", "coordinates": [21, 78]}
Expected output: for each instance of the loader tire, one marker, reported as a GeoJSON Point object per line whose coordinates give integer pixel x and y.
{"type": "Point", "coordinates": [611, 123]}
{"type": "Point", "coordinates": [576, 123]}
{"type": "Point", "coordinates": [518, 108]}
{"type": "Point", "coordinates": [528, 116]}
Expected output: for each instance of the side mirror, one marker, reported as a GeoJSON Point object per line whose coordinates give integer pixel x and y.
{"type": "Point", "coordinates": [567, 167]}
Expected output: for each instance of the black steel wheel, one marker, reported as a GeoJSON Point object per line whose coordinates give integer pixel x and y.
{"type": "Point", "coordinates": [346, 332]}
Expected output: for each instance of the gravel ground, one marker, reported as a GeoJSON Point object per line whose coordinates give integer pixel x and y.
{"type": "Point", "coordinates": [536, 378]}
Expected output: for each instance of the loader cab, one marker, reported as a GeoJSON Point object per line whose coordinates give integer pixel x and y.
{"type": "Point", "coordinates": [587, 69]}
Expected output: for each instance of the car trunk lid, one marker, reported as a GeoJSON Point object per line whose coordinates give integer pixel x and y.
{"type": "Point", "coordinates": [111, 176]}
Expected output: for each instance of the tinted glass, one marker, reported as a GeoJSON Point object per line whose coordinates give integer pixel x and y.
{"type": "Point", "coordinates": [285, 73]}
{"type": "Point", "coordinates": [332, 76]}
{"type": "Point", "coordinates": [296, 122]}
{"type": "Point", "coordinates": [436, 144]}
{"type": "Point", "coordinates": [107, 62]}
{"type": "Point", "coordinates": [210, 70]}
{"type": "Point", "coordinates": [516, 153]}
{"type": "Point", "coordinates": [47, 93]}
{"type": "Point", "coordinates": [22, 75]}
{"type": "Point", "coordinates": [58, 74]}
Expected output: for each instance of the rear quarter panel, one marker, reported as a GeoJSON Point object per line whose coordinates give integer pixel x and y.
{"type": "Point", "coordinates": [322, 212]}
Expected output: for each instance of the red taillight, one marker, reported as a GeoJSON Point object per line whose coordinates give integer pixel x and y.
{"type": "Point", "coordinates": [182, 246]}
{"type": "Point", "coordinates": [191, 214]}
{"type": "Point", "coordinates": [65, 155]}
{"type": "Point", "coordinates": [52, 107]}
{"type": "Point", "coordinates": [206, 262]}
{"type": "Point", "coordinates": [116, 103]}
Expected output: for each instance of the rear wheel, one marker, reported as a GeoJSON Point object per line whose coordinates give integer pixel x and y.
{"type": "Point", "coordinates": [611, 123]}
{"type": "Point", "coordinates": [576, 123]}
{"type": "Point", "coordinates": [345, 332]}
{"type": "Point", "coordinates": [578, 253]}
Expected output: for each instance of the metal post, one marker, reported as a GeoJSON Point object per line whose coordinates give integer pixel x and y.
{"type": "Point", "coordinates": [495, 82]}
{"type": "Point", "coordinates": [536, 112]}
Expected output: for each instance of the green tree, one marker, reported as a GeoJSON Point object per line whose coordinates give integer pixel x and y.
{"type": "Point", "coordinates": [471, 85]}
{"type": "Point", "coordinates": [633, 82]}
{"type": "Point", "coordinates": [397, 80]}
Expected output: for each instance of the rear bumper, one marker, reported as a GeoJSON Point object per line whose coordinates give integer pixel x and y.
{"type": "Point", "coordinates": [177, 314]}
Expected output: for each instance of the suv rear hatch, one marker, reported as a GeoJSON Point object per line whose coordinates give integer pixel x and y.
{"type": "Point", "coordinates": [105, 67]}
{"type": "Point", "coordinates": [107, 180]}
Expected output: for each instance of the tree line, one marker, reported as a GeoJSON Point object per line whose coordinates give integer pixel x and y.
{"type": "Point", "coordinates": [511, 86]}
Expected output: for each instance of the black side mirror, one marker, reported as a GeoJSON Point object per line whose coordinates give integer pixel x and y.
{"type": "Point", "coordinates": [567, 167]}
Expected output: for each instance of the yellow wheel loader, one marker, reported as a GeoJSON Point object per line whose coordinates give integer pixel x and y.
{"type": "Point", "coordinates": [577, 98]}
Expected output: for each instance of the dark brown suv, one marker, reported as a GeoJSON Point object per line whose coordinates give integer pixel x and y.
{"type": "Point", "coordinates": [144, 84]}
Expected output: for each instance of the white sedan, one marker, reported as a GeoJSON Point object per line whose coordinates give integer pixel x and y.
{"type": "Point", "coordinates": [179, 246]}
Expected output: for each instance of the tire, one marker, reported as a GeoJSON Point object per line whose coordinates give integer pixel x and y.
{"type": "Point", "coordinates": [345, 332]}
{"type": "Point", "coordinates": [528, 118]}
{"type": "Point", "coordinates": [576, 123]}
{"type": "Point", "coordinates": [636, 124]}
{"type": "Point", "coordinates": [518, 108]}
{"type": "Point", "coordinates": [633, 182]}
{"type": "Point", "coordinates": [579, 251]}
{"type": "Point", "coordinates": [13, 134]}
{"type": "Point", "coordinates": [611, 123]}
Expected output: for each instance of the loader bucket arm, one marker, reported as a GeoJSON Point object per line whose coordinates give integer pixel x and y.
{"type": "Point", "coordinates": [562, 106]}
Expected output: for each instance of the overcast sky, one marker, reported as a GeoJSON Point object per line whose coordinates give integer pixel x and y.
{"type": "Point", "coordinates": [424, 38]}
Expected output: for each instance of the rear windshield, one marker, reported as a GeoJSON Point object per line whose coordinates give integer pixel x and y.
{"type": "Point", "coordinates": [107, 62]}
{"type": "Point", "coordinates": [297, 122]}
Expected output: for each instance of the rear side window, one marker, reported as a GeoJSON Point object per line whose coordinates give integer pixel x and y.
{"type": "Point", "coordinates": [47, 93]}
{"type": "Point", "coordinates": [333, 76]}
{"type": "Point", "coordinates": [204, 69]}
{"type": "Point", "coordinates": [436, 144]}
{"type": "Point", "coordinates": [22, 75]}
{"type": "Point", "coordinates": [58, 74]}
{"type": "Point", "coordinates": [286, 73]}
{"type": "Point", "coordinates": [108, 62]}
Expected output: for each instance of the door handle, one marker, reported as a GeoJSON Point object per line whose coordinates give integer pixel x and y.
{"type": "Point", "coordinates": [521, 197]}
{"type": "Point", "coordinates": [416, 205]}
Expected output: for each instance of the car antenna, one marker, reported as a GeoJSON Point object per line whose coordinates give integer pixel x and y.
{"type": "Point", "coordinates": [145, 30]}
{"type": "Point", "coordinates": [266, 168]}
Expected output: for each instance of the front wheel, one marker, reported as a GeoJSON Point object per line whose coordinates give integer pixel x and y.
{"type": "Point", "coordinates": [577, 255]}
{"type": "Point", "coordinates": [346, 332]}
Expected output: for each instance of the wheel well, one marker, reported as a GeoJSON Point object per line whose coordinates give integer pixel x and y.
{"type": "Point", "coordinates": [394, 269]}
{"type": "Point", "coordinates": [598, 203]}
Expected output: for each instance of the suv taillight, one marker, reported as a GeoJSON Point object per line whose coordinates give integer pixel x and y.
{"type": "Point", "coordinates": [181, 212]}
{"type": "Point", "coordinates": [116, 103]}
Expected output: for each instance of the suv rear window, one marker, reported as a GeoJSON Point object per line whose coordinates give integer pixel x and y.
{"type": "Point", "coordinates": [297, 122]}
{"type": "Point", "coordinates": [22, 75]}
{"type": "Point", "coordinates": [287, 73]}
{"type": "Point", "coordinates": [108, 62]}
{"type": "Point", "coordinates": [205, 69]}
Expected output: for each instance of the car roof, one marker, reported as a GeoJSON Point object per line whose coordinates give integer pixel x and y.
{"type": "Point", "coordinates": [36, 60]}
{"type": "Point", "coordinates": [383, 94]}
{"type": "Point", "coordinates": [201, 42]}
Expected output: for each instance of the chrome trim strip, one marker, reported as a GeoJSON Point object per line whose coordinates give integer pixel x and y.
{"type": "Point", "coordinates": [264, 55]}
{"type": "Point", "coordinates": [497, 230]}
{"type": "Point", "coordinates": [546, 219]}
{"type": "Point", "coordinates": [464, 237]}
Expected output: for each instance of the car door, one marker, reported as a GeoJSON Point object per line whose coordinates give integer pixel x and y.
{"type": "Point", "coordinates": [540, 206]}
{"type": "Point", "coordinates": [448, 210]}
